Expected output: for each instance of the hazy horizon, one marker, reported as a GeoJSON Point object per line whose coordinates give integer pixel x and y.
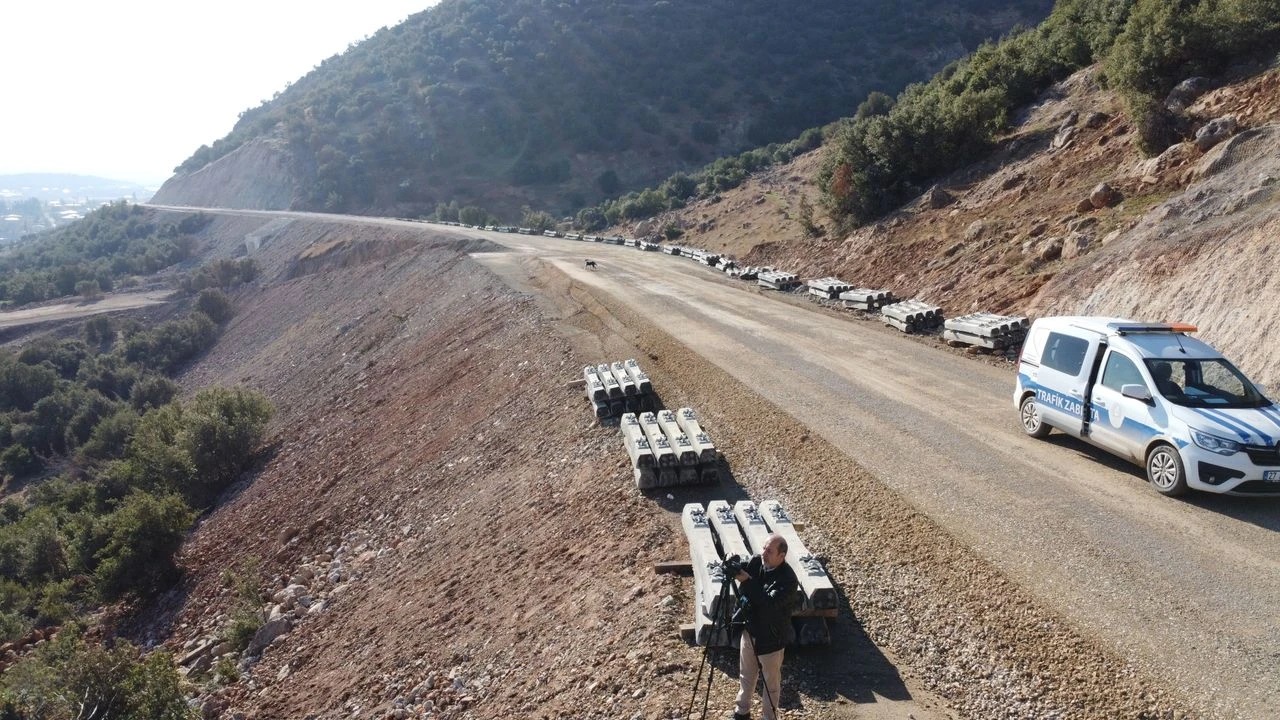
{"type": "Point", "coordinates": [128, 92]}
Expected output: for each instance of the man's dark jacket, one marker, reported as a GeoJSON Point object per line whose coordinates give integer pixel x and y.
{"type": "Point", "coordinates": [767, 598]}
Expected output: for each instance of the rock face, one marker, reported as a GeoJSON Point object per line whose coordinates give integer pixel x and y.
{"type": "Point", "coordinates": [1104, 196]}
{"type": "Point", "coordinates": [267, 634]}
{"type": "Point", "coordinates": [252, 177]}
{"type": "Point", "coordinates": [936, 198]}
{"type": "Point", "coordinates": [1215, 131]}
{"type": "Point", "coordinates": [1185, 92]}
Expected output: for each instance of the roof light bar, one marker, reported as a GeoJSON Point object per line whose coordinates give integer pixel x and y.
{"type": "Point", "coordinates": [1129, 328]}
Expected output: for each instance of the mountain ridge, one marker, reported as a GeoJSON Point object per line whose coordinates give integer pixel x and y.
{"type": "Point", "coordinates": [503, 105]}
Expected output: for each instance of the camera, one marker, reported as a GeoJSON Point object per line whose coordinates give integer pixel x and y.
{"type": "Point", "coordinates": [731, 566]}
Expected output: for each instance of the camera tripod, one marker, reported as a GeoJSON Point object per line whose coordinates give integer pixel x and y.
{"type": "Point", "coordinates": [721, 623]}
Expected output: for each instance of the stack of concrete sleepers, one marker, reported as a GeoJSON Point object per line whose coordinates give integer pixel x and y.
{"type": "Point", "coordinates": [867, 299]}
{"type": "Point", "coordinates": [618, 387]}
{"type": "Point", "coordinates": [596, 392]}
{"type": "Point", "coordinates": [686, 455]}
{"type": "Point", "coordinates": [828, 288]}
{"type": "Point", "coordinates": [668, 449]}
{"type": "Point", "coordinates": [708, 577]}
{"type": "Point", "coordinates": [912, 315]}
{"type": "Point", "coordinates": [665, 462]}
{"type": "Point", "coordinates": [987, 330]}
{"type": "Point", "coordinates": [777, 280]}
{"type": "Point", "coordinates": [721, 531]}
{"type": "Point", "coordinates": [708, 456]}
{"type": "Point", "coordinates": [637, 445]}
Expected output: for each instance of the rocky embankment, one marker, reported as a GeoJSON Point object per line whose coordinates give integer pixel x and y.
{"type": "Point", "coordinates": [1067, 217]}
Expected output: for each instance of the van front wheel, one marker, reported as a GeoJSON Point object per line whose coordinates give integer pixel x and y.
{"type": "Point", "coordinates": [1164, 471]}
{"type": "Point", "coordinates": [1031, 422]}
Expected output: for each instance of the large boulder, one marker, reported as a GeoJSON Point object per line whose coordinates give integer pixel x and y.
{"type": "Point", "coordinates": [1215, 131]}
{"type": "Point", "coordinates": [1104, 196]}
{"type": "Point", "coordinates": [267, 635]}
{"type": "Point", "coordinates": [1066, 134]}
{"type": "Point", "coordinates": [1075, 245]}
{"type": "Point", "coordinates": [1186, 92]}
{"type": "Point", "coordinates": [936, 198]}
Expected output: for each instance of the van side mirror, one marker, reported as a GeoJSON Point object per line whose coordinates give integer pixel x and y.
{"type": "Point", "coordinates": [1137, 391]}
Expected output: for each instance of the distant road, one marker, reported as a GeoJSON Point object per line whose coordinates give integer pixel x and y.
{"type": "Point", "coordinates": [79, 309]}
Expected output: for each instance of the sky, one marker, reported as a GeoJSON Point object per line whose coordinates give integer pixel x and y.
{"type": "Point", "coordinates": [128, 90]}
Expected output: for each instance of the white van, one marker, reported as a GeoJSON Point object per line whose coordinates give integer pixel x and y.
{"type": "Point", "coordinates": [1152, 395]}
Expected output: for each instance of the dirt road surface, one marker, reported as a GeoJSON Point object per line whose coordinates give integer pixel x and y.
{"type": "Point", "coordinates": [1189, 587]}
{"type": "Point", "coordinates": [71, 310]}
{"type": "Point", "coordinates": [1014, 578]}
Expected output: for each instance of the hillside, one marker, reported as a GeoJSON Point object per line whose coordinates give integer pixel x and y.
{"type": "Point", "coordinates": [559, 105]}
{"type": "Point", "coordinates": [437, 483]}
{"type": "Point", "coordinates": [1185, 238]}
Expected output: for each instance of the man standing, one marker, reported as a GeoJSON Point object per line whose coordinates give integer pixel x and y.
{"type": "Point", "coordinates": [767, 590]}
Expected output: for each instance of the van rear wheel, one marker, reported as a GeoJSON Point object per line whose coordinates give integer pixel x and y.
{"type": "Point", "coordinates": [1030, 415]}
{"type": "Point", "coordinates": [1165, 472]}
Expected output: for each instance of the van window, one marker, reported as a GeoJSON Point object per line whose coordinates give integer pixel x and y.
{"type": "Point", "coordinates": [1033, 345]}
{"type": "Point", "coordinates": [1120, 371]}
{"type": "Point", "coordinates": [1064, 353]}
{"type": "Point", "coordinates": [1205, 383]}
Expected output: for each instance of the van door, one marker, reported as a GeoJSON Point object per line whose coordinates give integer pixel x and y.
{"type": "Point", "coordinates": [1060, 381]}
{"type": "Point", "coordinates": [1121, 424]}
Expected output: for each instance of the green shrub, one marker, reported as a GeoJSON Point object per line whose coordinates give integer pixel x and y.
{"type": "Point", "coordinates": [74, 678]}
{"type": "Point", "coordinates": [246, 610]}
{"type": "Point", "coordinates": [17, 461]}
{"type": "Point", "coordinates": [137, 543]}
{"type": "Point", "coordinates": [152, 391]}
{"type": "Point", "coordinates": [195, 449]}
{"type": "Point", "coordinates": [23, 385]}
{"type": "Point", "coordinates": [216, 305]}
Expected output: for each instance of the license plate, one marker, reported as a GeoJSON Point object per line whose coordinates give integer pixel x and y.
{"type": "Point", "coordinates": [1271, 476]}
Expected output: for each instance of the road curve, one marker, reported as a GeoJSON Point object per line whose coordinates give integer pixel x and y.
{"type": "Point", "coordinates": [1190, 586]}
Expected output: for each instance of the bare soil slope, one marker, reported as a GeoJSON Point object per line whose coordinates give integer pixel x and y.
{"type": "Point", "coordinates": [470, 543]}
{"type": "Point", "coordinates": [1188, 240]}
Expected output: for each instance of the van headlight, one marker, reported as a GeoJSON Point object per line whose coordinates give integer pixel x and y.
{"type": "Point", "coordinates": [1213, 443]}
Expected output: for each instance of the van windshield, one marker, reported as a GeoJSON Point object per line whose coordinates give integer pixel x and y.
{"type": "Point", "coordinates": [1213, 382]}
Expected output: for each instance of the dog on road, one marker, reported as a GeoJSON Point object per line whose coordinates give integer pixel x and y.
{"type": "Point", "coordinates": [591, 264]}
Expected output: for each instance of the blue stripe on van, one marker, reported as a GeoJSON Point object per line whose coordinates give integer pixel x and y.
{"type": "Point", "coordinates": [1224, 420]}
{"type": "Point", "coordinates": [1266, 439]}
{"type": "Point", "coordinates": [1271, 412]}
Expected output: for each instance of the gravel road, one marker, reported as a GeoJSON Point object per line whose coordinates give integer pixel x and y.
{"type": "Point", "coordinates": [1186, 589]}
{"type": "Point", "coordinates": [1183, 591]}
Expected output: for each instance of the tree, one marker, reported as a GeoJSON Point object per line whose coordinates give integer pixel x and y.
{"type": "Point", "coordinates": [71, 677]}
{"type": "Point", "coordinates": [472, 215]}
{"type": "Point", "coordinates": [536, 219]}
{"type": "Point", "coordinates": [811, 228]}
{"type": "Point", "coordinates": [216, 305]}
{"type": "Point", "coordinates": [877, 103]}
{"type": "Point", "coordinates": [137, 543]}
{"type": "Point", "coordinates": [88, 289]}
